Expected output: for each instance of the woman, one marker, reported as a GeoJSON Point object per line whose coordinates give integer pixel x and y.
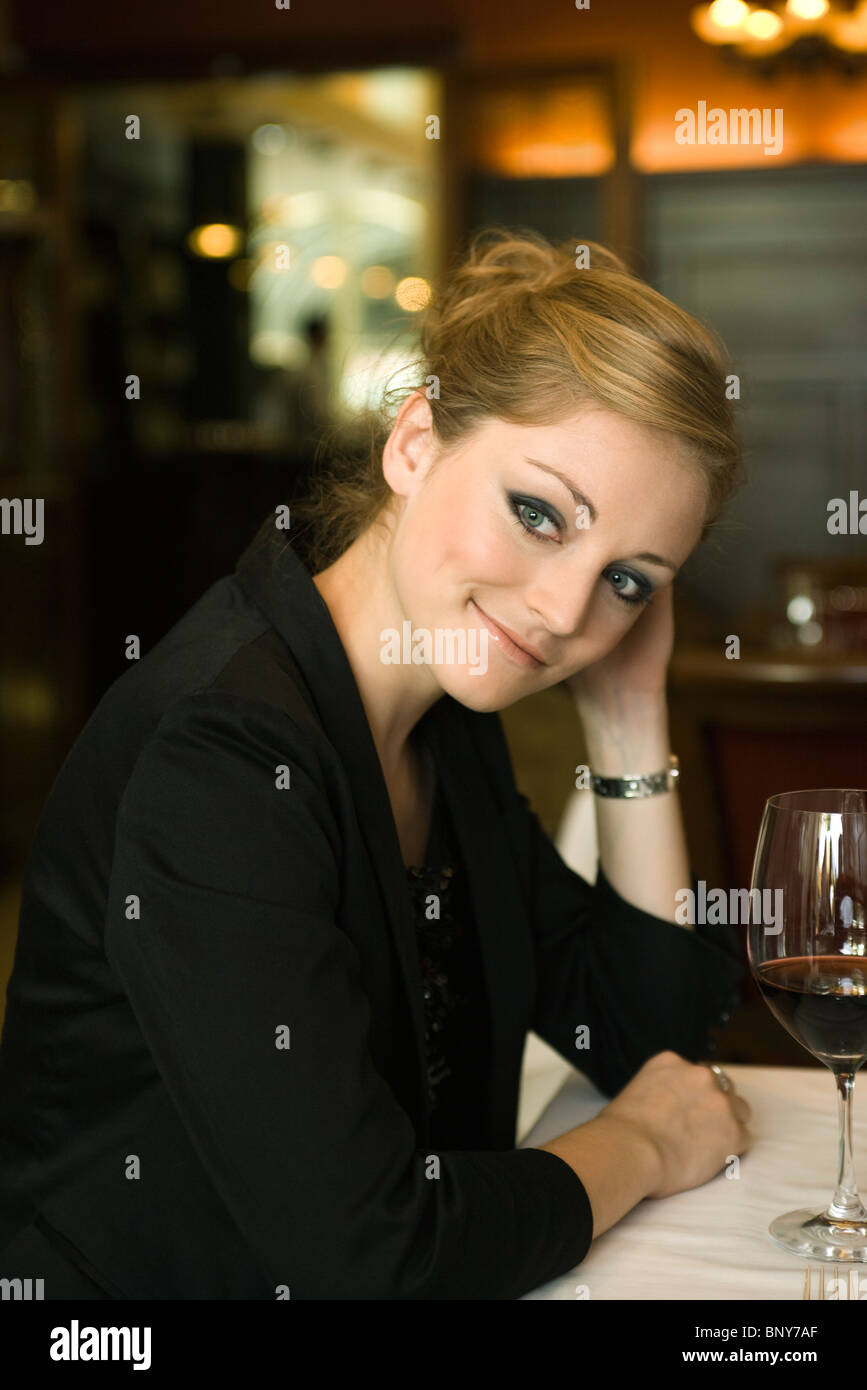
{"type": "Point", "coordinates": [287, 920]}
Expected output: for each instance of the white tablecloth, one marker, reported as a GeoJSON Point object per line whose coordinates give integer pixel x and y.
{"type": "Point", "coordinates": [712, 1242]}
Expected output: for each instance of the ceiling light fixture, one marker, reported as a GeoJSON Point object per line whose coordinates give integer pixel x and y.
{"type": "Point", "coordinates": [802, 34]}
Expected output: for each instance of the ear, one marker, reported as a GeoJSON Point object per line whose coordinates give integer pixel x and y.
{"type": "Point", "coordinates": [409, 449]}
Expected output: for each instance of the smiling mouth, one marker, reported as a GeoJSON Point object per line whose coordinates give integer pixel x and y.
{"type": "Point", "coordinates": [508, 644]}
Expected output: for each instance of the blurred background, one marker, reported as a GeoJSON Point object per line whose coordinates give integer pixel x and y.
{"type": "Point", "coordinates": [218, 225]}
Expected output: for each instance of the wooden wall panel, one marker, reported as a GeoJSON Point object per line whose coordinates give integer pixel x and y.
{"type": "Point", "coordinates": [777, 264]}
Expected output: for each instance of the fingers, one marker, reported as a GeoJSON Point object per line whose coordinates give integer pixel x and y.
{"type": "Point", "coordinates": [740, 1107]}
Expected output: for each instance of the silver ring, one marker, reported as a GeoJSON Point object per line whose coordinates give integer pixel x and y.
{"type": "Point", "coordinates": [724, 1084]}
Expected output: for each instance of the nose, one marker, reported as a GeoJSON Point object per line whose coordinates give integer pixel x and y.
{"type": "Point", "coordinates": [562, 596]}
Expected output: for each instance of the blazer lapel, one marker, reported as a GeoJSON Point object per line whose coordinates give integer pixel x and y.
{"type": "Point", "coordinates": [504, 942]}
{"type": "Point", "coordinates": [282, 587]}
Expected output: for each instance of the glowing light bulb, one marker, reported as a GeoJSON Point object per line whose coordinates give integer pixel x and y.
{"type": "Point", "coordinates": [800, 609]}
{"type": "Point", "coordinates": [763, 24]}
{"type": "Point", "coordinates": [728, 14]}
{"type": "Point", "coordinates": [807, 9]}
{"type": "Point", "coordinates": [328, 272]}
{"type": "Point", "coordinates": [215, 241]}
{"type": "Point", "coordinates": [413, 293]}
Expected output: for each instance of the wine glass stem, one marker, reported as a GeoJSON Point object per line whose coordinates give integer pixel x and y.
{"type": "Point", "coordinates": [846, 1204]}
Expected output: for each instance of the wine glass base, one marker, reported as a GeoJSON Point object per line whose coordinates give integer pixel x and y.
{"type": "Point", "coordinates": [818, 1237]}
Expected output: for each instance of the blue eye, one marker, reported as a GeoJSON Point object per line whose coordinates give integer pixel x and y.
{"type": "Point", "coordinates": [535, 510]}
{"type": "Point", "coordinates": [530, 513]}
{"type": "Point", "coordinates": [644, 594]}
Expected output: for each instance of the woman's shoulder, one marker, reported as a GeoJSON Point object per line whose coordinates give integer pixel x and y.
{"type": "Point", "coordinates": [232, 792]}
{"type": "Point", "coordinates": [264, 670]}
{"type": "Point", "coordinates": [216, 727]}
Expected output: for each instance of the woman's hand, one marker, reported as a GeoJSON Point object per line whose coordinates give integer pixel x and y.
{"type": "Point", "coordinates": [637, 666]}
{"type": "Point", "coordinates": [671, 1128]}
{"type": "Point", "coordinates": [695, 1127]}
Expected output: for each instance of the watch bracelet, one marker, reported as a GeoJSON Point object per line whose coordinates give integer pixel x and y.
{"type": "Point", "coordinates": [639, 785]}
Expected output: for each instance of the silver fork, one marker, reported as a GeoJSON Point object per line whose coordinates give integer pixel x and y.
{"type": "Point", "coordinates": [807, 1293]}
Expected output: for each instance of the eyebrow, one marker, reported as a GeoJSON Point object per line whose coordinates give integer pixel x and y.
{"type": "Point", "coordinates": [583, 501]}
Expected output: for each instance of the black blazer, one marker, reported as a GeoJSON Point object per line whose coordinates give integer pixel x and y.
{"type": "Point", "coordinates": [212, 1073]}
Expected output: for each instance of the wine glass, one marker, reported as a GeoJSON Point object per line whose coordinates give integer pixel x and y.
{"type": "Point", "coordinates": [808, 952]}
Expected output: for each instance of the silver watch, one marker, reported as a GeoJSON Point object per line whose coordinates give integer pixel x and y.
{"type": "Point", "coordinates": [640, 784]}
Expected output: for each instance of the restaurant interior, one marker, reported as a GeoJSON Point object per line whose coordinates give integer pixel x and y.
{"type": "Point", "coordinates": [218, 227]}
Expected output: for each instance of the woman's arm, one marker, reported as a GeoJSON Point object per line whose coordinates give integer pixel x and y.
{"type": "Point", "coordinates": [622, 705]}
{"type": "Point", "coordinates": [615, 983]}
{"type": "Point", "coordinates": [642, 845]}
{"type": "Point", "coordinates": [616, 1162]}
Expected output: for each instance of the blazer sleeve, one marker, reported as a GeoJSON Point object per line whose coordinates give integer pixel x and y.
{"type": "Point", "coordinates": [639, 983]}
{"type": "Point", "coordinates": [222, 924]}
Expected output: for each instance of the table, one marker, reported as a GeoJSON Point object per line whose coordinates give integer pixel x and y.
{"type": "Point", "coordinates": [712, 1242]}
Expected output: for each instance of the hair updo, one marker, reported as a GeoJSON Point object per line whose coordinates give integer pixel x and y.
{"type": "Point", "coordinates": [519, 332]}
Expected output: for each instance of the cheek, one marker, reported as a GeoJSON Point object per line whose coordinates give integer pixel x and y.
{"type": "Point", "coordinates": [458, 536]}
{"type": "Point", "coordinates": [483, 544]}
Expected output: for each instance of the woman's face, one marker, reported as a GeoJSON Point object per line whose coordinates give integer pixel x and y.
{"type": "Point", "coordinates": [486, 540]}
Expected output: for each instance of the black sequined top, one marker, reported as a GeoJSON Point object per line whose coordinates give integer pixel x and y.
{"type": "Point", "coordinates": [455, 1003]}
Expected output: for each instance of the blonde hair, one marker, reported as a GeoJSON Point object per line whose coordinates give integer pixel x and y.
{"type": "Point", "coordinates": [520, 333]}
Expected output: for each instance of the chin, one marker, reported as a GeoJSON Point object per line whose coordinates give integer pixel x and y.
{"type": "Point", "coordinates": [485, 693]}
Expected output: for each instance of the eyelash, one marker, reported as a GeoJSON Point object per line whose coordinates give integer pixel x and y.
{"type": "Point", "coordinates": [516, 503]}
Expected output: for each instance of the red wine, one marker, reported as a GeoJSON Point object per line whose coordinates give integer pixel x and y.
{"type": "Point", "coordinates": [822, 1001]}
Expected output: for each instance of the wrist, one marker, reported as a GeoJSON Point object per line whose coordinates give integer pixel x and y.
{"type": "Point", "coordinates": [624, 750]}
{"type": "Point", "coordinates": [619, 707]}
{"type": "Point", "coordinates": [632, 1139]}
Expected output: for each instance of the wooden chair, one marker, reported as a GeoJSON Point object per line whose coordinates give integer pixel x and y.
{"type": "Point", "coordinates": [773, 721]}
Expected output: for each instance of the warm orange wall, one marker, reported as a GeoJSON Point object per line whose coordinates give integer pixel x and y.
{"type": "Point", "coordinates": [824, 116]}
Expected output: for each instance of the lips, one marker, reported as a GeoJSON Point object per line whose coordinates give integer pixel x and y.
{"type": "Point", "coordinates": [511, 637]}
